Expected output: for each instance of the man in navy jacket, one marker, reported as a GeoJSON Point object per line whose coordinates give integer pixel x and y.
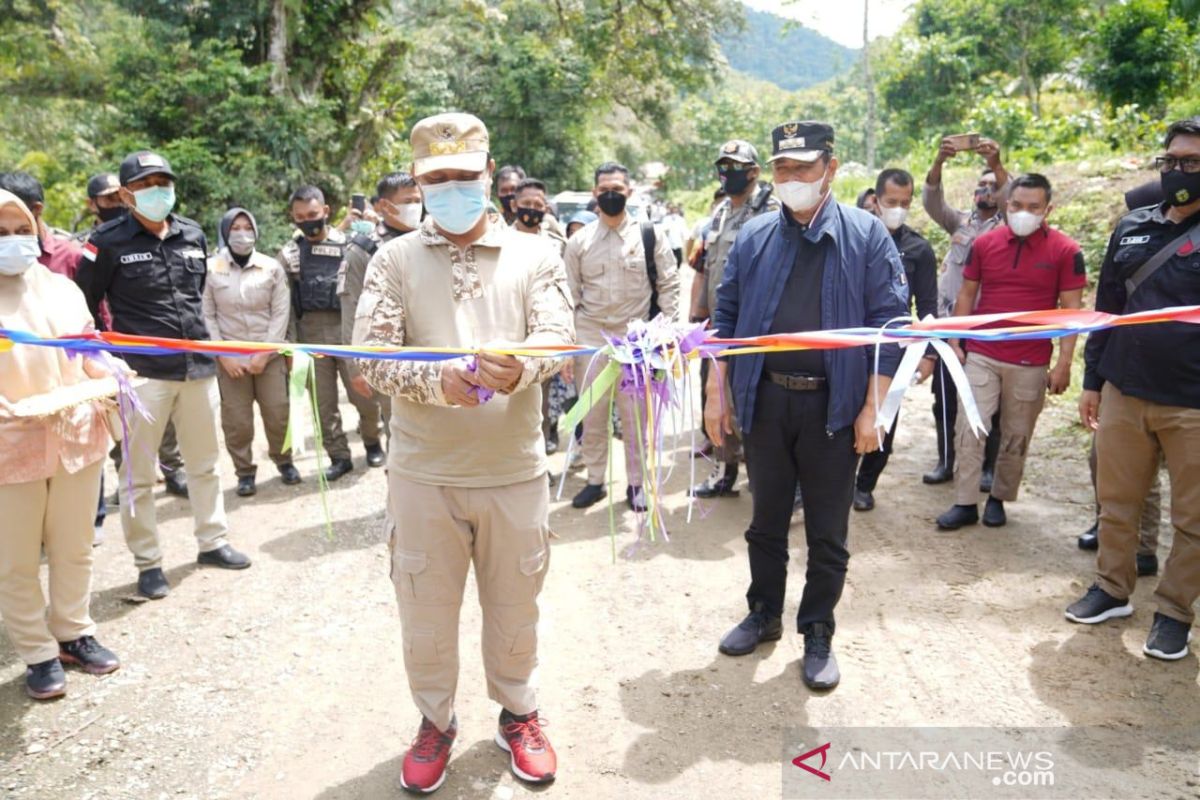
{"type": "Point", "coordinates": [805, 415]}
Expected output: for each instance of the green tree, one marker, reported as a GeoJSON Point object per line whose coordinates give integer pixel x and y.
{"type": "Point", "coordinates": [1139, 54]}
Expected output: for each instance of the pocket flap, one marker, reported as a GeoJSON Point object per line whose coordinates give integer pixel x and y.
{"type": "Point", "coordinates": [533, 563]}
{"type": "Point", "coordinates": [411, 562]}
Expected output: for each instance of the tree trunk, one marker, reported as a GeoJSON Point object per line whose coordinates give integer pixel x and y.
{"type": "Point", "coordinates": [277, 52]}
{"type": "Point", "coordinates": [870, 84]}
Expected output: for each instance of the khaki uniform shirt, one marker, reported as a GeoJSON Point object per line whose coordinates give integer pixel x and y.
{"type": "Point", "coordinates": [246, 304]}
{"type": "Point", "coordinates": [421, 290]}
{"type": "Point", "coordinates": [606, 269]}
{"type": "Point", "coordinates": [727, 221]}
{"type": "Point", "coordinates": [964, 227]}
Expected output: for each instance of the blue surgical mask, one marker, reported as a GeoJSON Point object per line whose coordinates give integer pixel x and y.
{"type": "Point", "coordinates": [18, 253]}
{"type": "Point", "coordinates": [155, 202]}
{"type": "Point", "coordinates": [456, 205]}
{"type": "Point", "coordinates": [362, 226]}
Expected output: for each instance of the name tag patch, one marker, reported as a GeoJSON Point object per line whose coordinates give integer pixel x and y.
{"type": "Point", "coordinates": [326, 250]}
{"type": "Point", "coordinates": [135, 258]}
{"type": "Point", "coordinates": [194, 252]}
{"type": "Point", "coordinates": [1133, 240]}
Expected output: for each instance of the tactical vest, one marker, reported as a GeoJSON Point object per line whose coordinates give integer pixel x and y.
{"type": "Point", "coordinates": [319, 264]}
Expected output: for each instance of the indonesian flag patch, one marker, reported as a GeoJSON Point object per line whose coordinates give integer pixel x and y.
{"type": "Point", "coordinates": [89, 251]}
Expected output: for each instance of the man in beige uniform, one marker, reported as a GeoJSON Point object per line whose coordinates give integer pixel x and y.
{"type": "Point", "coordinates": [606, 267]}
{"type": "Point", "coordinates": [247, 299]}
{"type": "Point", "coordinates": [466, 474]}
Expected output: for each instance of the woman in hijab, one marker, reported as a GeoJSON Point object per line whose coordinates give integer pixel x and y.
{"type": "Point", "coordinates": [53, 440]}
{"type": "Point", "coordinates": [247, 299]}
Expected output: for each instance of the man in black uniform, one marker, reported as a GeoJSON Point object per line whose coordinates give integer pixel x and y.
{"type": "Point", "coordinates": [805, 415]}
{"type": "Point", "coordinates": [313, 261]}
{"type": "Point", "coordinates": [1141, 394]}
{"type": "Point", "coordinates": [399, 207]}
{"type": "Point", "coordinates": [150, 265]}
{"type": "Point", "coordinates": [893, 196]}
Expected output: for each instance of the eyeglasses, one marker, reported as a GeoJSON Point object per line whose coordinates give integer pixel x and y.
{"type": "Point", "coordinates": [1168, 163]}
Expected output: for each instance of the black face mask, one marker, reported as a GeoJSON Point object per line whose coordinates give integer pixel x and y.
{"type": "Point", "coordinates": [983, 200]}
{"type": "Point", "coordinates": [530, 217]}
{"type": "Point", "coordinates": [110, 213]}
{"type": "Point", "coordinates": [1180, 188]}
{"type": "Point", "coordinates": [732, 181]}
{"type": "Point", "coordinates": [611, 203]}
{"type": "Point", "coordinates": [311, 228]}
{"type": "Point", "coordinates": [506, 202]}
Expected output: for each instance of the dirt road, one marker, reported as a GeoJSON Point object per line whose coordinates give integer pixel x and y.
{"type": "Point", "coordinates": [286, 681]}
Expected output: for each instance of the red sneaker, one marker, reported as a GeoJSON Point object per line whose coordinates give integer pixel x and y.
{"type": "Point", "coordinates": [533, 758]}
{"type": "Point", "coordinates": [425, 762]}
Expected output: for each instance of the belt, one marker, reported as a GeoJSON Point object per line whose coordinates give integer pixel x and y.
{"type": "Point", "coordinates": [797, 383]}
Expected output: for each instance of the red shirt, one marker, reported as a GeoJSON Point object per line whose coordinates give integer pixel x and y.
{"type": "Point", "coordinates": [1017, 274]}
{"type": "Point", "coordinates": [60, 255]}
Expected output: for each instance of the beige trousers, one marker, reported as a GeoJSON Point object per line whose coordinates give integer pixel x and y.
{"type": "Point", "coordinates": [1132, 435]}
{"type": "Point", "coordinates": [595, 427]}
{"type": "Point", "coordinates": [1019, 393]}
{"type": "Point", "coordinates": [325, 327]}
{"type": "Point", "coordinates": [238, 396]}
{"type": "Point", "coordinates": [1151, 519]}
{"type": "Point", "coordinates": [56, 514]}
{"type": "Point", "coordinates": [438, 532]}
{"type": "Point", "coordinates": [193, 407]}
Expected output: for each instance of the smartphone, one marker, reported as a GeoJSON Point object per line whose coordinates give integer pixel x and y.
{"type": "Point", "coordinates": [358, 202]}
{"type": "Point", "coordinates": [963, 142]}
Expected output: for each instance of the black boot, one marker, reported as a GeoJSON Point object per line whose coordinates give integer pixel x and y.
{"type": "Point", "coordinates": [957, 517]}
{"type": "Point", "coordinates": [944, 471]}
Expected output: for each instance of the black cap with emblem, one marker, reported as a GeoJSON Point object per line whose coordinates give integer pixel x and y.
{"type": "Point", "coordinates": [142, 163]}
{"type": "Point", "coordinates": [801, 141]}
{"type": "Point", "coordinates": [737, 150]}
{"type": "Point", "coordinates": [102, 184]}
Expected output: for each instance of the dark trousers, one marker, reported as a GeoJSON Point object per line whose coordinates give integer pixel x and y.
{"type": "Point", "coordinates": [945, 417]}
{"type": "Point", "coordinates": [873, 463]}
{"type": "Point", "coordinates": [787, 444]}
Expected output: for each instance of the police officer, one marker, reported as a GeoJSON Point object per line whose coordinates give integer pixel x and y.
{"type": "Point", "coordinates": [150, 265]}
{"type": "Point", "coordinates": [398, 204]}
{"type": "Point", "coordinates": [805, 415]}
{"type": "Point", "coordinates": [893, 195]}
{"type": "Point", "coordinates": [103, 203]}
{"type": "Point", "coordinates": [745, 198]}
{"type": "Point", "coordinates": [313, 260]}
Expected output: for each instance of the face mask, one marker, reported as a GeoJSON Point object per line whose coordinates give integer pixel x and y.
{"type": "Point", "coordinates": [893, 218]}
{"type": "Point", "coordinates": [407, 214]}
{"type": "Point", "coordinates": [732, 181]}
{"type": "Point", "coordinates": [611, 203]}
{"type": "Point", "coordinates": [241, 242]}
{"type": "Point", "coordinates": [1024, 223]}
{"type": "Point", "coordinates": [530, 217]}
{"type": "Point", "coordinates": [312, 228]}
{"type": "Point", "coordinates": [18, 253]}
{"type": "Point", "coordinates": [361, 226]}
{"type": "Point", "coordinates": [506, 202]}
{"type": "Point", "coordinates": [1180, 188]}
{"type": "Point", "coordinates": [983, 200]}
{"type": "Point", "coordinates": [800, 195]}
{"type": "Point", "coordinates": [456, 205]}
{"type": "Point", "coordinates": [110, 213]}
{"type": "Point", "coordinates": [155, 202]}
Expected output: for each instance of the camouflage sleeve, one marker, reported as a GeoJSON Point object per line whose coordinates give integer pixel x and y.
{"type": "Point", "coordinates": [550, 316]}
{"type": "Point", "coordinates": [379, 320]}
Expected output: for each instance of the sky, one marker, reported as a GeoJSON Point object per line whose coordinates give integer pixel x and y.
{"type": "Point", "coordinates": [841, 21]}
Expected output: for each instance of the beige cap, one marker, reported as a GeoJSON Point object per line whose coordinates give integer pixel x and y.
{"type": "Point", "coordinates": [449, 141]}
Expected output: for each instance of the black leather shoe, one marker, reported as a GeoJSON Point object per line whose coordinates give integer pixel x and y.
{"type": "Point", "coordinates": [993, 513]}
{"type": "Point", "coordinates": [1147, 565]}
{"type": "Point", "coordinates": [635, 498]}
{"type": "Point", "coordinates": [863, 501]}
{"type": "Point", "coordinates": [152, 583]}
{"type": "Point", "coordinates": [246, 487]}
{"type": "Point", "coordinates": [224, 557]}
{"type": "Point", "coordinates": [45, 680]}
{"type": "Point", "coordinates": [820, 665]}
{"type": "Point", "coordinates": [176, 483]}
{"type": "Point", "coordinates": [745, 637]}
{"type": "Point", "coordinates": [375, 455]}
{"type": "Point", "coordinates": [337, 468]}
{"type": "Point", "coordinates": [942, 473]}
{"type": "Point", "coordinates": [1090, 539]}
{"type": "Point", "coordinates": [985, 481]}
{"type": "Point", "coordinates": [958, 516]}
{"type": "Point", "coordinates": [88, 654]}
{"type": "Point", "coordinates": [589, 496]}
{"type": "Point", "coordinates": [289, 474]}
